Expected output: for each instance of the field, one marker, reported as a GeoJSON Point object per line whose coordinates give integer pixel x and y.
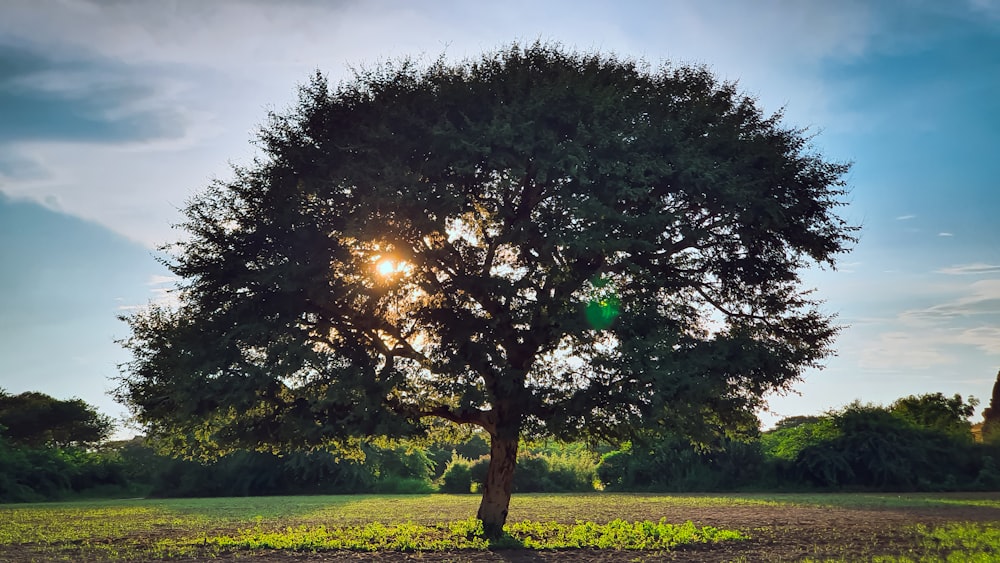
{"type": "Point", "coordinates": [571, 527]}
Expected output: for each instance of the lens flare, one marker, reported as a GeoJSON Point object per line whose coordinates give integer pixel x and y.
{"type": "Point", "coordinates": [604, 306]}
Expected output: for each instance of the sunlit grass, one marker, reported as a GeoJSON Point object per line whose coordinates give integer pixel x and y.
{"type": "Point", "coordinates": [63, 523]}
{"type": "Point", "coordinates": [112, 530]}
{"type": "Point", "coordinates": [563, 508]}
{"type": "Point", "coordinates": [881, 500]}
{"type": "Point", "coordinates": [958, 542]}
{"type": "Point", "coordinates": [137, 529]}
{"type": "Point", "coordinates": [468, 534]}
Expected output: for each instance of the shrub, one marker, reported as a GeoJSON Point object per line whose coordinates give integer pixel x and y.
{"type": "Point", "coordinates": [457, 476]}
{"type": "Point", "coordinates": [988, 478]}
{"type": "Point", "coordinates": [544, 473]}
{"type": "Point", "coordinates": [671, 463]}
{"type": "Point", "coordinates": [873, 447]}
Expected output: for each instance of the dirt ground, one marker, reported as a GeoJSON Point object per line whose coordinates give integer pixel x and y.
{"type": "Point", "coordinates": [779, 533]}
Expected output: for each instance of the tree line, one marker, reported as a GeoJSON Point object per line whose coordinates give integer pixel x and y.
{"type": "Point", "coordinates": [54, 449]}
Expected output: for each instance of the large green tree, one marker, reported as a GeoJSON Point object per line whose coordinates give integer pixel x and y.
{"type": "Point", "coordinates": [37, 420]}
{"type": "Point", "coordinates": [935, 411]}
{"type": "Point", "coordinates": [990, 428]}
{"type": "Point", "coordinates": [535, 241]}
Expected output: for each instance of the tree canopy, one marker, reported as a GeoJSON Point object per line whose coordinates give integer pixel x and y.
{"type": "Point", "coordinates": [535, 242]}
{"type": "Point", "coordinates": [991, 415]}
{"type": "Point", "coordinates": [36, 420]}
{"type": "Point", "coordinates": [934, 411]}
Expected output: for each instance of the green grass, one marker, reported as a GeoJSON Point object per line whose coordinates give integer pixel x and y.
{"type": "Point", "coordinates": [190, 527]}
{"type": "Point", "coordinates": [467, 534]}
{"type": "Point", "coordinates": [882, 500]}
{"type": "Point", "coordinates": [135, 529]}
{"type": "Point", "coordinates": [362, 509]}
{"type": "Point", "coordinates": [959, 542]}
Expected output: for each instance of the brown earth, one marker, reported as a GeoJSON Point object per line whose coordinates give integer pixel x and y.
{"type": "Point", "coordinates": [777, 533]}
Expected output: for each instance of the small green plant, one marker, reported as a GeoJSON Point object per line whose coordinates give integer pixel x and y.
{"type": "Point", "coordinates": [204, 528]}
{"type": "Point", "coordinates": [962, 542]}
{"type": "Point", "coordinates": [201, 528]}
{"type": "Point", "coordinates": [468, 534]}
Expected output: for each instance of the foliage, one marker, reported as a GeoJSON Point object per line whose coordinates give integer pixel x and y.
{"type": "Point", "coordinates": [988, 478]}
{"type": "Point", "coordinates": [457, 476]}
{"type": "Point", "coordinates": [545, 472]}
{"type": "Point", "coordinates": [860, 446]}
{"type": "Point", "coordinates": [787, 440]}
{"type": "Point", "coordinates": [900, 447]}
{"type": "Point", "coordinates": [570, 470]}
{"type": "Point", "coordinates": [954, 542]}
{"type": "Point", "coordinates": [539, 469]}
{"type": "Point", "coordinates": [885, 447]}
{"type": "Point", "coordinates": [473, 446]}
{"type": "Point", "coordinates": [49, 449]}
{"type": "Point", "coordinates": [967, 536]}
{"type": "Point", "coordinates": [393, 469]}
{"type": "Point", "coordinates": [934, 411]}
{"type": "Point", "coordinates": [419, 243]}
{"type": "Point", "coordinates": [469, 534]}
{"type": "Point", "coordinates": [35, 420]}
{"type": "Point", "coordinates": [672, 463]}
{"type": "Point", "coordinates": [991, 415]}
{"type": "Point", "coordinates": [31, 474]}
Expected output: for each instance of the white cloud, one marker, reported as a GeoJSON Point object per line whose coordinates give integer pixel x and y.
{"type": "Point", "coordinates": [935, 335]}
{"type": "Point", "coordinates": [925, 349]}
{"type": "Point", "coordinates": [906, 217]}
{"type": "Point", "coordinates": [219, 65]}
{"type": "Point", "coordinates": [903, 351]}
{"type": "Point", "coordinates": [135, 190]}
{"type": "Point", "coordinates": [985, 338]}
{"type": "Point", "coordinates": [946, 234]}
{"type": "Point", "coordinates": [160, 279]}
{"type": "Point", "coordinates": [977, 268]}
{"type": "Point", "coordinates": [978, 299]}
{"type": "Point", "coordinates": [162, 292]}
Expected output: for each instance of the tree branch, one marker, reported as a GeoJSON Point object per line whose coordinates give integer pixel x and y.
{"type": "Point", "coordinates": [478, 417]}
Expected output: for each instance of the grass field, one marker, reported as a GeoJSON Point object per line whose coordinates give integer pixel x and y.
{"type": "Point", "coordinates": [847, 527]}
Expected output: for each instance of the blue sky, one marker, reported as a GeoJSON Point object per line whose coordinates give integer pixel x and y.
{"type": "Point", "coordinates": [112, 114]}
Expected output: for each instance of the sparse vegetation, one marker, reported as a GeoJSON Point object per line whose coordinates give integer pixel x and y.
{"type": "Point", "coordinates": [648, 523]}
{"type": "Point", "coordinates": [174, 528]}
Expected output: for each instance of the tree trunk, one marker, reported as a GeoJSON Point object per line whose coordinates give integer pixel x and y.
{"type": "Point", "coordinates": [499, 480]}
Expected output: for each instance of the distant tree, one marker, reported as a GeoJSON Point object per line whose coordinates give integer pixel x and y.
{"type": "Point", "coordinates": [991, 415]}
{"type": "Point", "coordinates": [37, 420]}
{"type": "Point", "coordinates": [792, 435]}
{"type": "Point", "coordinates": [917, 443]}
{"type": "Point", "coordinates": [672, 463]}
{"type": "Point", "coordinates": [536, 242]}
{"type": "Point", "coordinates": [934, 411]}
{"type": "Point", "coordinates": [795, 421]}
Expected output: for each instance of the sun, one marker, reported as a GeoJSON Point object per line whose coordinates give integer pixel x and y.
{"type": "Point", "coordinates": [386, 267]}
{"type": "Point", "coordinates": [390, 267]}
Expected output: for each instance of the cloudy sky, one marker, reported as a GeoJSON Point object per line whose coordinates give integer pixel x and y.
{"type": "Point", "coordinates": [113, 113]}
